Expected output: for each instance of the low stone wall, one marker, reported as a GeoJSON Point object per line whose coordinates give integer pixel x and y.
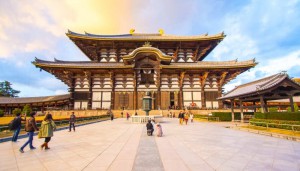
{"type": "Point", "coordinates": [117, 113]}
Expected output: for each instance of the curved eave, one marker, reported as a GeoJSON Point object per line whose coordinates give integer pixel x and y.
{"type": "Point", "coordinates": [78, 66]}
{"type": "Point", "coordinates": [219, 36]}
{"type": "Point", "coordinates": [156, 51]}
{"type": "Point", "coordinates": [209, 67]}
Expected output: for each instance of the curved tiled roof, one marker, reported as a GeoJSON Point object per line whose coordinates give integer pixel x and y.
{"type": "Point", "coordinates": [214, 64]}
{"type": "Point", "coordinates": [79, 64]}
{"type": "Point", "coordinates": [90, 64]}
{"type": "Point", "coordinates": [26, 100]}
{"type": "Point", "coordinates": [143, 37]}
{"type": "Point", "coordinates": [256, 86]}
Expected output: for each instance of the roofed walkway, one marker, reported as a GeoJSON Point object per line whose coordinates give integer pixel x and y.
{"type": "Point", "coordinates": [120, 145]}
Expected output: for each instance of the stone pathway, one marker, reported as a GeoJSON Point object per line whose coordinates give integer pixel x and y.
{"type": "Point", "coordinates": [120, 145]}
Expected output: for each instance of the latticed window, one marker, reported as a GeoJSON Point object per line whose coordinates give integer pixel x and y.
{"type": "Point", "coordinates": [211, 95]}
{"type": "Point", "coordinates": [124, 99]}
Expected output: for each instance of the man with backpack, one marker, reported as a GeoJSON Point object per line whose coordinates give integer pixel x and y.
{"type": "Point", "coordinates": [15, 125]}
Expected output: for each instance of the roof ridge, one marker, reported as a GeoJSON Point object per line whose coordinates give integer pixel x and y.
{"type": "Point", "coordinates": [273, 78]}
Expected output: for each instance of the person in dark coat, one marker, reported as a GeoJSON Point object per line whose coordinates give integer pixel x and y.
{"type": "Point", "coordinates": [111, 116]}
{"type": "Point", "coordinates": [17, 130]}
{"type": "Point", "coordinates": [149, 128]}
{"type": "Point", "coordinates": [72, 122]}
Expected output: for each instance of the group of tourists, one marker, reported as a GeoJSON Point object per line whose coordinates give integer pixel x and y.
{"type": "Point", "coordinates": [184, 117]}
{"type": "Point", "coordinates": [45, 131]}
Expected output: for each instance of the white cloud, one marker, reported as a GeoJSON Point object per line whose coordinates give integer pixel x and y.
{"type": "Point", "coordinates": [32, 90]}
{"type": "Point", "coordinates": [281, 63]}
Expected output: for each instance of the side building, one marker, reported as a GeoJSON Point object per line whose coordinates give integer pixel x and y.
{"type": "Point", "coordinates": [122, 68]}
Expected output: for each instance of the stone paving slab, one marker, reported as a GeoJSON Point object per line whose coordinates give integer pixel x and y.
{"type": "Point", "coordinates": [120, 145]}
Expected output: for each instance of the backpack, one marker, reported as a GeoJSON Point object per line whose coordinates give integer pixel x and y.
{"type": "Point", "coordinates": [13, 124]}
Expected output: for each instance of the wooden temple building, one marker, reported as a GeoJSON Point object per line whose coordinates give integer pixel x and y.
{"type": "Point", "coordinates": [263, 93]}
{"type": "Point", "coordinates": [122, 68]}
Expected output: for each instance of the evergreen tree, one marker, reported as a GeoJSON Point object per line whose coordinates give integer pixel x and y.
{"type": "Point", "coordinates": [7, 91]}
{"type": "Point", "coordinates": [27, 110]}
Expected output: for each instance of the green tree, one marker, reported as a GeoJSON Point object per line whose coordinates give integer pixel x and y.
{"type": "Point", "coordinates": [1, 113]}
{"type": "Point", "coordinates": [16, 110]}
{"type": "Point", "coordinates": [7, 91]}
{"type": "Point", "coordinates": [27, 110]}
{"type": "Point", "coordinates": [295, 107]}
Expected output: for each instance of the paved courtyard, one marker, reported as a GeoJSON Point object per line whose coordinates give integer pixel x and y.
{"type": "Point", "coordinates": [120, 145]}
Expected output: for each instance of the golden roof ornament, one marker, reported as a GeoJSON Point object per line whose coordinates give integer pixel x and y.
{"type": "Point", "coordinates": [131, 31]}
{"type": "Point", "coordinates": [147, 44]}
{"type": "Point", "coordinates": [161, 31]}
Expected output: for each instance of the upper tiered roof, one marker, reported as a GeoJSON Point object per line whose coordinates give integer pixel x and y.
{"type": "Point", "coordinates": [92, 44]}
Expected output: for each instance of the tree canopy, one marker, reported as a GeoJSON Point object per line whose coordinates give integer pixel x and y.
{"type": "Point", "coordinates": [7, 91]}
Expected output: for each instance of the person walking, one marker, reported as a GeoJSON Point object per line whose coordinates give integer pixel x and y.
{"type": "Point", "coordinates": [72, 121]}
{"type": "Point", "coordinates": [127, 115]}
{"type": "Point", "coordinates": [18, 119]}
{"type": "Point", "coordinates": [46, 131]}
{"type": "Point", "coordinates": [186, 118]}
{"type": "Point", "coordinates": [30, 127]}
{"type": "Point", "coordinates": [122, 114]}
{"type": "Point", "coordinates": [191, 117]}
{"type": "Point", "coordinates": [111, 116]}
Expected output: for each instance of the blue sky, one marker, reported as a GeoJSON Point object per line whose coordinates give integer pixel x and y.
{"type": "Point", "coordinates": [268, 31]}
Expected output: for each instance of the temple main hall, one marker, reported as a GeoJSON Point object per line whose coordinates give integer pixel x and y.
{"type": "Point", "coordinates": [122, 68]}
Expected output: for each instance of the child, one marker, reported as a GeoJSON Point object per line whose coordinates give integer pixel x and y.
{"type": "Point", "coordinates": [159, 130]}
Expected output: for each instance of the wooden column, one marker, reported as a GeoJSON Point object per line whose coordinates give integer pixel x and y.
{"type": "Point", "coordinates": [220, 103]}
{"type": "Point", "coordinates": [112, 101]}
{"type": "Point", "coordinates": [89, 78]}
{"type": "Point", "coordinates": [262, 104]}
{"type": "Point", "coordinates": [158, 85]}
{"type": "Point", "coordinates": [266, 106]}
{"type": "Point", "coordinates": [292, 103]}
{"type": "Point", "coordinates": [242, 112]}
{"type": "Point", "coordinates": [203, 104]}
{"type": "Point", "coordinates": [181, 77]}
{"type": "Point", "coordinates": [254, 106]}
{"type": "Point", "coordinates": [135, 95]}
{"type": "Point", "coordinates": [232, 110]}
{"type": "Point", "coordinates": [72, 90]}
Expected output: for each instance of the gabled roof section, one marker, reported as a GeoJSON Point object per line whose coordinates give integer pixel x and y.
{"type": "Point", "coordinates": [259, 86]}
{"type": "Point", "coordinates": [147, 50]}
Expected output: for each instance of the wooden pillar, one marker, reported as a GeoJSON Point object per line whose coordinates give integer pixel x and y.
{"type": "Point", "coordinates": [254, 106]}
{"type": "Point", "coordinates": [232, 110]}
{"type": "Point", "coordinates": [152, 96]}
{"type": "Point", "coordinates": [266, 105]}
{"type": "Point", "coordinates": [88, 75]}
{"type": "Point", "coordinates": [220, 103]}
{"type": "Point", "coordinates": [72, 90]}
{"type": "Point", "coordinates": [242, 112]}
{"type": "Point", "coordinates": [112, 100]}
{"type": "Point", "coordinates": [135, 93]}
{"type": "Point", "coordinates": [181, 78]}
{"type": "Point", "coordinates": [292, 103]}
{"type": "Point", "coordinates": [203, 103]}
{"type": "Point", "coordinates": [262, 104]}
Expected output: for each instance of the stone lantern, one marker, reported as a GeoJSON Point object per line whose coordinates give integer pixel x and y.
{"type": "Point", "coordinates": [147, 103]}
